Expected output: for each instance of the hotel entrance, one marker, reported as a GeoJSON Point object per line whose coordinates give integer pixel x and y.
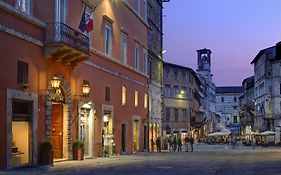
{"type": "Point", "coordinates": [136, 134]}
{"type": "Point", "coordinates": [108, 134]}
{"type": "Point", "coordinates": [57, 130]}
{"type": "Point", "coordinates": [86, 129]}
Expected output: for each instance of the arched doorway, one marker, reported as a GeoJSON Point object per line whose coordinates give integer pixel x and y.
{"type": "Point", "coordinates": [58, 115]}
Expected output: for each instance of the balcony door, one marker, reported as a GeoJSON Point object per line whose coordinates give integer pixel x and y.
{"type": "Point", "coordinates": [61, 11]}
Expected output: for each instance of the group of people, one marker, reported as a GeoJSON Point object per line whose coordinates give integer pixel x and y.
{"type": "Point", "coordinates": [176, 144]}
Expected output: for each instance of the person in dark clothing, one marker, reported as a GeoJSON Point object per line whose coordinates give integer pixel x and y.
{"type": "Point", "coordinates": [186, 143]}
{"type": "Point", "coordinates": [179, 144]}
{"type": "Point", "coordinates": [175, 143]}
{"type": "Point", "coordinates": [191, 141]}
{"type": "Point", "coordinates": [158, 144]}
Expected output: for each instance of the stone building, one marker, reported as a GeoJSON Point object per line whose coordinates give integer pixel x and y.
{"type": "Point", "coordinates": [51, 66]}
{"type": "Point", "coordinates": [247, 114]}
{"type": "Point", "coordinates": [155, 38]}
{"type": "Point", "coordinates": [267, 89]}
{"type": "Point", "coordinates": [181, 86]}
{"type": "Point", "coordinates": [207, 90]}
{"type": "Point", "coordinates": [227, 106]}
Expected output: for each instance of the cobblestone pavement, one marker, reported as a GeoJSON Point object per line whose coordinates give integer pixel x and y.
{"type": "Point", "coordinates": [205, 160]}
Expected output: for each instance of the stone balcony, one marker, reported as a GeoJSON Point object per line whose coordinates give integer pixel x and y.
{"type": "Point", "coordinates": [63, 43]}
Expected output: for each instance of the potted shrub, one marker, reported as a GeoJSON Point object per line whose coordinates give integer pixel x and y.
{"type": "Point", "coordinates": [78, 150]}
{"type": "Point", "coordinates": [46, 153]}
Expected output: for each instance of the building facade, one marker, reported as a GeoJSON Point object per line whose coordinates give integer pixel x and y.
{"type": "Point", "coordinates": [267, 96]}
{"type": "Point", "coordinates": [51, 64]}
{"type": "Point", "coordinates": [227, 106]}
{"type": "Point", "coordinates": [207, 91]}
{"type": "Point", "coordinates": [247, 114]}
{"type": "Point", "coordinates": [155, 40]}
{"type": "Point", "coordinates": [181, 86]}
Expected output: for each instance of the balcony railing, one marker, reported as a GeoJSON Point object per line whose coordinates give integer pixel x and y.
{"type": "Point", "coordinates": [60, 33]}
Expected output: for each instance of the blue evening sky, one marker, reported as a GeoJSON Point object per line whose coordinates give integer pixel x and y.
{"type": "Point", "coordinates": [235, 31]}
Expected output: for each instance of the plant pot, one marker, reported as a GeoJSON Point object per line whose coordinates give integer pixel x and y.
{"type": "Point", "coordinates": [78, 153]}
{"type": "Point", "coordinates": [46, 157]}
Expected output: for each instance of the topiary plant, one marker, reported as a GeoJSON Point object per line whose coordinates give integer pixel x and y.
{"type": "Point", "coordinates": [78, 144]}
{"type": "Point", "coordinates": [47, 145]}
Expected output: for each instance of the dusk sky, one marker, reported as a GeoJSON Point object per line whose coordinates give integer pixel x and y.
{"type": "Point", "coordinates": [235, 31]}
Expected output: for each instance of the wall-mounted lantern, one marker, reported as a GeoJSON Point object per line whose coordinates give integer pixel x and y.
{"type": "Point", "coordinates": [86, 88]}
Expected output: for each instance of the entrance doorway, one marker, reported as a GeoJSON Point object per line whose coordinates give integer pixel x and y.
{"type": "Point", "coordinates": [21, 133]}
{"type": "Point", "coordinates": [57, 130]}
{"type": "Point", "coordinates": [123, 131]}
{"type": "Point", "coordinates": [108, 134]}
{"type": "Point", "coordinates": [136, 135]}
{"type": "Point", "coordinates": [86, 128]}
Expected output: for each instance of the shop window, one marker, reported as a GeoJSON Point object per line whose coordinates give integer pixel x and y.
{"type": "Point", "coordinates": [22, 73]}
{"type": "Point", "coordinates": [21, 133]}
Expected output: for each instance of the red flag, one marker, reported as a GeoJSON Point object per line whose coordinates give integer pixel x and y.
{"type": "Point", "coordinates": [90, 23]}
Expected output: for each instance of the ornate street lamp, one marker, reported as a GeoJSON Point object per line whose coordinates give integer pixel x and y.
{"type": "Point", "coordinates": [55, 82]}
{"type": "Point", "coordinates": [86, 88]}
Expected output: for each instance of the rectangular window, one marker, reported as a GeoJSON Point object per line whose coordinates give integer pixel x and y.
{"type": "Point", "coordinates": [107, 39]}
{"type": "Point", "coordinates": [124, 95]}
{"type": "Point", "coordinates": [183, 92]}
{"type": "Point", "coordinates": [167, 73]}
{"type": "Point", "coordinates": [145, 61]}
{"type": "Point", "coordinates": [24, 6]}
{"type": "Point", "coordinates": [183, 74]}
{"type": "Point", "coordinates": [145, 10]}
{"type": "Point", "coordinates": [22, 73]}
{"type": "Point", "coordinates": [124, 48]}
{"type": "Point", "coordinates": [176, 74]}
{"type": "Point", "coordinates": [61, 11]}
{"type": "Point", "coordinates": [235, 99]}
{"type": "Point", "coordinates": [145, 100]}
{"type": "Point", "coordinates": [168, 113]}
{"type": "Point", "coordinates": [184, 115]}
{"type": "Point", "coordinates": [138, 6]}
{"type": "Point", "coordinates": [176, 114]}
{"type": "Point", "coordinates": [222, 99]}
{"type": "Point", "coordinates": [137, 55]}
{"type": "Point", "coordinates": [167, 90]}
{"type": "Point", "coordinates": [136, 98]}
{"type": "Point", "coordinates": [176, 90]}
{"type": "Point", "coordinates": [107, 93]}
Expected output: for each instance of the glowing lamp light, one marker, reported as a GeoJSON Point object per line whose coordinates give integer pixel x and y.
{"type": "Point", "coordinates": [105, 118]}
{"type": "Point", "coordinates": [182, 92]}
{"type": "Point", "coordinates": [86, 89]}
{"type": "Point", "coordinates": [55, 82]}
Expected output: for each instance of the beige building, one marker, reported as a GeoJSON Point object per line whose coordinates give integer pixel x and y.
{"type": "Point", "coordinates": [181, 100]}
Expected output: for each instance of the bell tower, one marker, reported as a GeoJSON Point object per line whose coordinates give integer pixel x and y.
{"type": "Point", "coordinates": [204, 63]}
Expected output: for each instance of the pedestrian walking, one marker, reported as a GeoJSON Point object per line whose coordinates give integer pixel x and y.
{"type": "Point", "coordinates": [158, 144]}
{"type": "Point", "coordinates": [152, 145]}
{"type": "Point", "coordinates": [175, 144]}
{"type": "Point", "coordinates": [191, 143]}
{"type": "Point", "coordinates": [186, 143]}
{"type": "Point", "coordinates": [170, 143]}
{"type": "Point", "coordinates": [179, 144]}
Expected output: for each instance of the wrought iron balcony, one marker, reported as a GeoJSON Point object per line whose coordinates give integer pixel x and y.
{"type": "Point", "coordinates": [63, 43]}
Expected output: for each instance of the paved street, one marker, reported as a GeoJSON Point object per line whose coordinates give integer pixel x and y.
{"type": "Point", "coordinates": [210, 160]}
